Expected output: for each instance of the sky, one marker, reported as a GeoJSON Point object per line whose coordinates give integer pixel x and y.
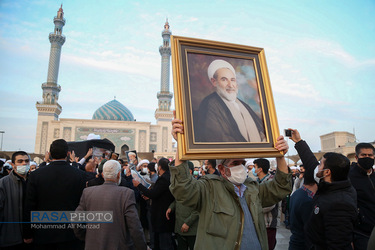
{"type": "Point", "coordinates": [320, 56]}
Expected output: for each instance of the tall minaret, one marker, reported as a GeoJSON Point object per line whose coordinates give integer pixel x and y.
{"type": "Point", "coordinates": [49, 109]}
{"type": "Point", "coordinates": [164, 96]}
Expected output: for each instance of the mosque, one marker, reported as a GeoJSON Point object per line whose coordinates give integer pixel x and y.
{"type": "Point", "coordinates": [113, 120]}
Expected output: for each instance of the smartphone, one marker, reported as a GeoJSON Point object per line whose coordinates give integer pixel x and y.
{"type": "Point", "coordinates": [288, 132]}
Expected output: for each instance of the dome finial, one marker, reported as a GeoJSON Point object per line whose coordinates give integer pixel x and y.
{"type": "Point", "coordinates": [166, 25]}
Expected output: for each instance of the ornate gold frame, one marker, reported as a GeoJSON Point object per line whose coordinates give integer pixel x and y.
{"type": "Point", "coordinates": [190, 149]}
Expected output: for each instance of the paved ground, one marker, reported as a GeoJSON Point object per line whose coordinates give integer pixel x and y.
{"type": "Point", "coordinates": [282, 237]}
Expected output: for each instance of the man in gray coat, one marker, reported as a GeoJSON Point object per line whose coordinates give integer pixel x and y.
{"type": "Point", "coordinates": [12, 192]}
{"type": "Point", "coordinates": [126, 231]}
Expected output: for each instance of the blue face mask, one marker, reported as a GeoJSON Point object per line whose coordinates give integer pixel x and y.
{"type": "Point", "coordinates": [253, 170]}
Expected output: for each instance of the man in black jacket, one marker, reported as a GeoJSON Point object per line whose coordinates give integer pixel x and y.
{"type": "Point", "coordinates": [55, 187]}
{"type": "Point", "coordinates": [301, 201]}
{"type": "Point", "coordinates": [334, 212]}
{"type": "Point", "coordinates": [362, 177]}
{"type": "Point", "coordinates": [161, 199]}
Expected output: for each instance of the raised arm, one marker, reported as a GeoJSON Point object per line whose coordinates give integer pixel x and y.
{"type": "Point", "coordinates": [307, 156]}
{"type": "Point", "coordinates": [282, 145]}
{"type": "Point", "coordinates": [184, 187]}
{"type": "Point", "coordinates": [177, 127]}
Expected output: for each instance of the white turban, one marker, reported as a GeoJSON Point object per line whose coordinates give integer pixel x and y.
{"type": "Point", "coordinates": [218, 64]}
{"type": "Point", "coordinates": [8, 164]}
{"type": "Point", "coordinates": [93, 136]}
{"type": "Point", "coordinates": [249, 163]}
{"type": "Point", "coordinates": [142, 162]}
{"type": "Point", "coordinates": [131, 153]}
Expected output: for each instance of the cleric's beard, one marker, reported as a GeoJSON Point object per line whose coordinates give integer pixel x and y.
{"type": "Point", "coordinates": [232, 96]}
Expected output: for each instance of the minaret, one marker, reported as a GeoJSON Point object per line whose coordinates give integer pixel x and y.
{"type": "Point", "coordinates": [49, 109]}
{"type": "Point", "coordinates": [164, 96]}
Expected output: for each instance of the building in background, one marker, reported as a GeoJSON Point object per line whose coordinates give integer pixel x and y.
{"type": "Point", "coordinates": [339, 142]}
{"type": "Point", "coordinates": [112, 120]}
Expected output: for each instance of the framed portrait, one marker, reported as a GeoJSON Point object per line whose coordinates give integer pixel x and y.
{"type": "Point", "coordinates": [223, 96]}
{"type": "Point", "coordinates": [132, 158]}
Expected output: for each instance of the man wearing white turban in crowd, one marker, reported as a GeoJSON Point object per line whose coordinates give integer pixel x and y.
{"type": "Point", "coordinates": [222, 117]}
{"type": "Point", "coordinates": [142, 168]}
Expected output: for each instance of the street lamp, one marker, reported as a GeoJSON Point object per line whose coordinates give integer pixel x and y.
{"type": "Point", "coordinates": [2, 134]}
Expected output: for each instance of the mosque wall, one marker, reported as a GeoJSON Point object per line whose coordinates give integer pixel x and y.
{"type": "Point", "coordinates": [140, 136]}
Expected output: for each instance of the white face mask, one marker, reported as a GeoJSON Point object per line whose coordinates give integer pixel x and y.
{"type": "Point", "coordinates": [204, 168]}
{"type": "Point", "coordinates": [238, 174]}
{"type": "Point", "coordinates": [145, 170]}
{"type": "Point", "coordinates": [23, 169]}
{"type": "Point", "coordinates": [316, 171]}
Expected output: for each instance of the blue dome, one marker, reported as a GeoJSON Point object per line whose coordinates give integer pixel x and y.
{"type": "Point", "coordinates": [113, 111]}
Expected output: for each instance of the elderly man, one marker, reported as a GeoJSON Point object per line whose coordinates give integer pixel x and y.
{"type": "Point", "coordinates": [12, 193]}
{"type": "Point", "coordinates": [132, 157]}
{"type": "Point", "coordinates": [126, 231]}
{"type": "Point", "coordinates": [230, 205]}
{"type": "Point", "coordinates": [222, 117]}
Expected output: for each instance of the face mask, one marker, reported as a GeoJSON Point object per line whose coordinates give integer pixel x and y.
{"type": "Point", "coordinates": [316, 171]}
{"type": "Point", "coordinates": [253, 170]}
{"type": "Point", "coordinates": [145, 170]}
{"type": "Point", "coordinates": [204, 168]}
{"type": "Point", "coordinates": [366, 162]}
{"type": "Point", "coordinates": [196, 172]}
{"type": "Point", "coordinates": [23, 169]}
{"type": "Point", "coordinates": [238, 174]}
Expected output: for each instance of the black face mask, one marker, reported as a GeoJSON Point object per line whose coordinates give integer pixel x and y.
{"type": "Point", "coordinates": [366, 162]}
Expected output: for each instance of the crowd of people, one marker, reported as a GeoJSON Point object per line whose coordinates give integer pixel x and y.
{"type": "Point", "coordinates": [223, 204]}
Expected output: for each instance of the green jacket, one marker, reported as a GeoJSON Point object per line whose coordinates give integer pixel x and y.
{"type": "Point", "coordinates": [185, 215]}
{"type": "Point", "coordinates": [220, 214]}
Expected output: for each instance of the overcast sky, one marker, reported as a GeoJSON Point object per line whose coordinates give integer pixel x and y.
{"type": "Point", "coordinates": [320, 56]}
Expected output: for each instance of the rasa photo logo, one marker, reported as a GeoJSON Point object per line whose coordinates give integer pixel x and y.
{"type": "Point", "coordinates": [71, 217]}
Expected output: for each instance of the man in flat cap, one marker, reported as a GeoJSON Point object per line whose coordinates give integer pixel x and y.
{"type": "Point", "coordinates": [222, 117]}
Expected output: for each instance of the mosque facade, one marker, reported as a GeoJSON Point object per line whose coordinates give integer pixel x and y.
{"type": "Point", "coordinates": [112, 120]}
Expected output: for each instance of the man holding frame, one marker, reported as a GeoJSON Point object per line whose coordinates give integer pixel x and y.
{"type": "Point", "coordinates": [230, 205]}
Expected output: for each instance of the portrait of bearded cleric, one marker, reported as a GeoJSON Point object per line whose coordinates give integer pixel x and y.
{"type": "Point", "coordinates": [225, 99]}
